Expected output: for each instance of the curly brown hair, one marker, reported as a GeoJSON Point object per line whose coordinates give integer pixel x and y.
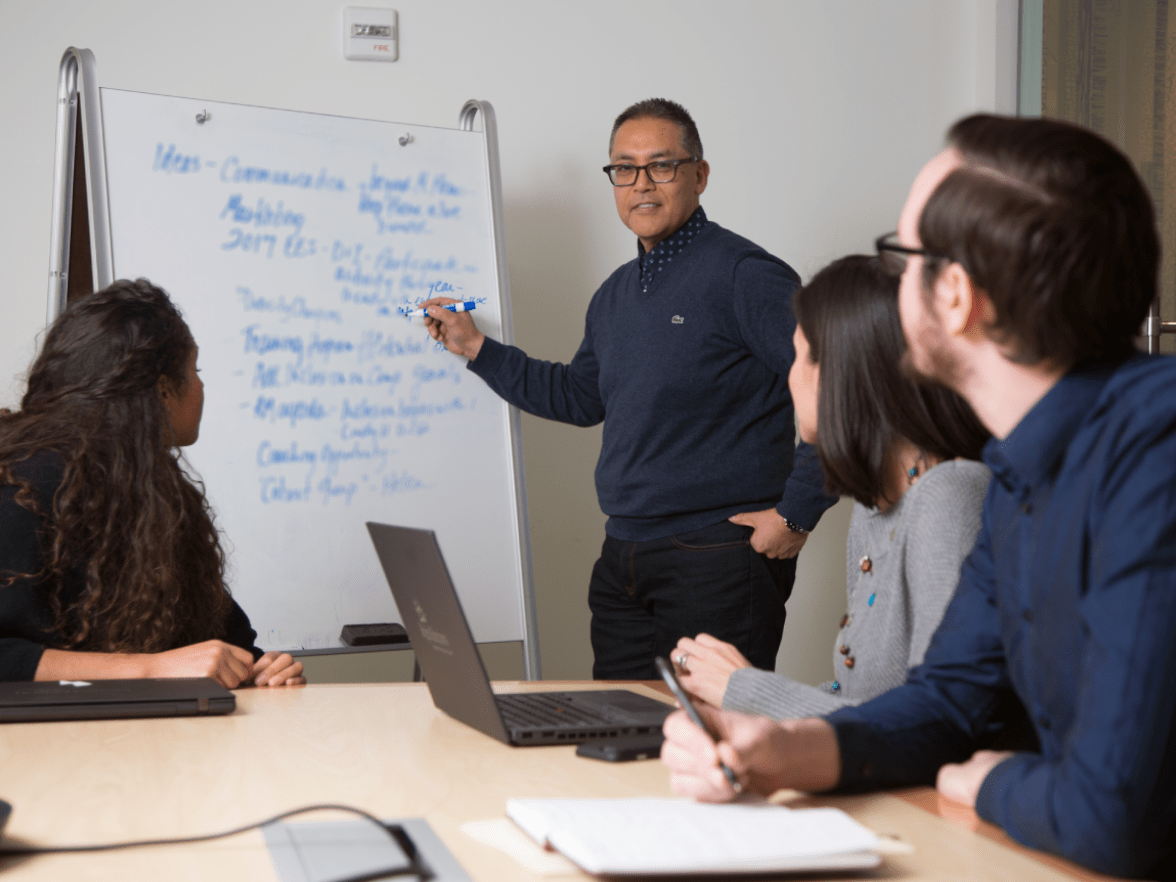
{"type": "Point", "coordinates": [126, 513]}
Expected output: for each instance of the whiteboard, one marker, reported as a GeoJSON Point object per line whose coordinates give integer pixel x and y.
{"type": "Point", "coordinates": [292, 242]}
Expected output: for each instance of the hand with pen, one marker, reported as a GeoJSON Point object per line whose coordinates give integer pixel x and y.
{"type": "Point", "coordinates": [456, 331]}
{"type": "Point", "coordinates": [764, 754]}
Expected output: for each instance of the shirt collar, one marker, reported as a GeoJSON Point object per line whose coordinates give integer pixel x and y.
{"type": "Point", "coordinates": [1035, 447]}
{"type": "Point", "coordinates": [663, 253]}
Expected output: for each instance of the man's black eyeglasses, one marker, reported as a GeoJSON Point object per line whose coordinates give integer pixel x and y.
{"type": "Point", "coordinates": [661, 171]}
{"type": "Point", "coordinates": [894, 257]}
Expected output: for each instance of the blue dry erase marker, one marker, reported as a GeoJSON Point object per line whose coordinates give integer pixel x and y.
{"type": "Point", "coordinates": [452, 307]}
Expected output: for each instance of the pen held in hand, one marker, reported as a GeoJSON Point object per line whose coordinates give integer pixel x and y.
{"type": "Point", "coordinates": [465, 306]}
{"type": "Point", "coordinates": [667, 672]}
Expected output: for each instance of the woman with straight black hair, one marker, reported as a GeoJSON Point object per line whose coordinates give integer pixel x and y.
{"type": "Point", "coordinates": [110, 563]}
{"type": "Point", "coordinates": [905, 452]}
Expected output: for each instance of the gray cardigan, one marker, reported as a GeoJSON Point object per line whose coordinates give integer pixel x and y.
{"type": "Point", "coordinates": [896, 599]}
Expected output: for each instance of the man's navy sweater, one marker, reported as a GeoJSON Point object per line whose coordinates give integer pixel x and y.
{"type": "Point", "coordinates": [690, 377]}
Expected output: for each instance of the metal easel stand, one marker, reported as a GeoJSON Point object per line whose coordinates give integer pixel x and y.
{"type": "Point", "coordinates": [79, 131]}
{"type": "Point", "coordinates": [530, 621]}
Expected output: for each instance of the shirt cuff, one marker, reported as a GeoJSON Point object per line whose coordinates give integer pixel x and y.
{"type": "Point", "coordinates": [893, 754]}
{"type": "Point", "coordinates": [805, 499]}
{"type": "Point", "coordinates": [489, 358]}
{"type": "Point", "coordinates": [857, 743]}
{"type": "Point", "coordinates": [993, 789]}
{"type": "Point", "coordinates": [803, 506]}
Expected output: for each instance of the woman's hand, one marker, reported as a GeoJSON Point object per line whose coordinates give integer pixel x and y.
{"type": "Point", "coordinates": [277, 669]}
{"type": "Point", "coordinates": [227, 664]}
{"type": "Point", "coordinates": [709, 663]}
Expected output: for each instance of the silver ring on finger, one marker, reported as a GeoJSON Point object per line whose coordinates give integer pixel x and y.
{"type": "Point", "coordinates": [682, 662]}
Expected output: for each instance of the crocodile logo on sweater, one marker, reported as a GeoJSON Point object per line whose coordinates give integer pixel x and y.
{"type": "Point", "coordinates": [677, 320]}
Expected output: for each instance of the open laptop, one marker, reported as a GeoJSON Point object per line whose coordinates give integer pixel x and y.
{"type": "Point", "coordinates": [111, 699]}
{"type": "Point", "coordinates": [453, 671]}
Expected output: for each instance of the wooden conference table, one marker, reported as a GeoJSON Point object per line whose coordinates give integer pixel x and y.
{"type": "Point", "coordinates": [383, 748]}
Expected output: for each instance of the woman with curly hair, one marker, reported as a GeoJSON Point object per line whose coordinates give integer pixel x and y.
{"type": "Point", "coordinates": [110, 563]}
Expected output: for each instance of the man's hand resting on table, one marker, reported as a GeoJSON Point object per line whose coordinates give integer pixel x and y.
{"type": "Point", "coordinates": [961, 782]}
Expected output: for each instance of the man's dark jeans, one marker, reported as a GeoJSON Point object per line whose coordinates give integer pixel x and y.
{"type": "Point", "coordinates": [644, 596]}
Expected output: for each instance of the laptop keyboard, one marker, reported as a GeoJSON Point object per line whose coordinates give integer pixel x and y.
{"type": "Point", "coordinates": [535, 709]}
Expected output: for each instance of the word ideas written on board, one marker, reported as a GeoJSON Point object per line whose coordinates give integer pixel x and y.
{"type": "Point", "coordinates": [294, 244]}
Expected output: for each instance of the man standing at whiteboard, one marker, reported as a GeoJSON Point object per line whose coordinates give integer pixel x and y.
{"type": "Point", "coordinates": [685, 359]}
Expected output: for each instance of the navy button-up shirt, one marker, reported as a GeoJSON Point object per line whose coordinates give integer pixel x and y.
{"type": "Point", "coordinates": [1068, 603]}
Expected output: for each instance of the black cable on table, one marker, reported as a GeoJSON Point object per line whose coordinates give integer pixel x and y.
{"type": "Point", "coordinates": [416, 866]}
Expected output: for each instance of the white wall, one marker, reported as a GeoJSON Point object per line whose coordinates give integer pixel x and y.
{"type": "Point", "coordinates": [815, 117]}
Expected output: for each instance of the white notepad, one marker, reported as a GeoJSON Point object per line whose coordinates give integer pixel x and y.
{"type": "Point", "coordinates": [664, 836]}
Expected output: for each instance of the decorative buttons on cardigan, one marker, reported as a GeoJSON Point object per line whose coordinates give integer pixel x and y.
{"type": "Point", "coordinates": [836, 686]}
{"type": "Point", "coordinates": [867, 567]}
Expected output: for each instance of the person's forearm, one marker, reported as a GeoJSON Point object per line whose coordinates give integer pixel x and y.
{"type": "Point", "coordinates": [568, 393]}
{"type": "Point", "coordinates": [752, 691]}
{"type": "Point", "coordinates": [795, 755]}
{"type": "Point", "coordinates": [814, 758]}
{"type": "Point", "coordinates": [59, 664]}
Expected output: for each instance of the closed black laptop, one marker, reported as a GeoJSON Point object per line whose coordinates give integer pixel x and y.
{"type": "Point", "coordinates": [453, 670]}
{"type": "Point", "coordinates": [111, 699]}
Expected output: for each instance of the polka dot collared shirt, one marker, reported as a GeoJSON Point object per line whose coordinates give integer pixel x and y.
{"type": "Point", "coordinates": [663, 252]}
